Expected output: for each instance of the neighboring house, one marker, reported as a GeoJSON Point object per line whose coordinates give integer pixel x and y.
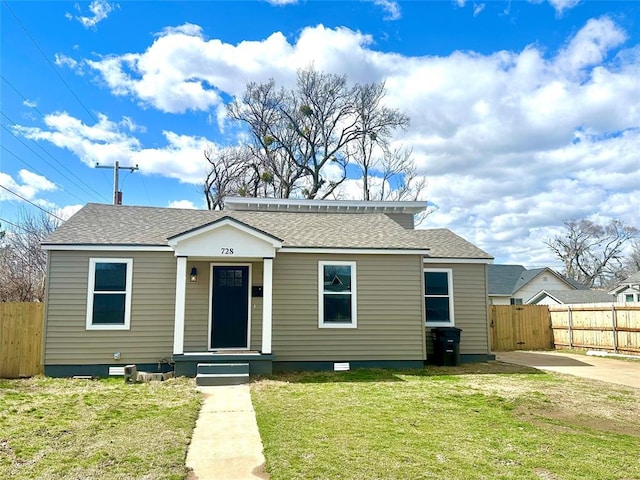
{"type": "Point", "coordinates": [515, 285]}
{"type": "Point", "coordinates": [275, 284]}
{"type": "Point", "coordinates": [629, 290]}
{"type": "Point", "coordinates": [565, 297]}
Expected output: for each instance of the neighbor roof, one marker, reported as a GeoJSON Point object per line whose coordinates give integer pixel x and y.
{"type": "Point", "coordinates": [505, 280]}
{"type": "Point", "coordinates": [574, 296]}
{"type": "Point", "coordinates": [631, 281]}
{"type": "Point", "coordinates": [119, 225]}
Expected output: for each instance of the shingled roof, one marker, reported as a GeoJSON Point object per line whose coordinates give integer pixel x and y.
{"type": "Point", "coordinates": [444, 243]}
{"type": "Point", "coordinates": [118, 225]}
{"type": "Point", "coordinates": [574, 296]}
{"type": "Point", "coordinates": [505, 280]}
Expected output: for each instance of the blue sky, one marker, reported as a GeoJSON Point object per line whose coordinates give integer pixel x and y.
{"type": "Point", "coordinates": [523, 114]}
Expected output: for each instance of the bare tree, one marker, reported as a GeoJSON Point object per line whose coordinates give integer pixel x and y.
{"type": "Point", "coordinates": [305, 138]}
{"type": "Point", "coordinates": [23, 263]}
{"type": "Point", "coordinates": [592, 254]}
{"type": "Point", "coordinates": [232, 171]}
{"type": "Point", "coordinates": [631, 263]}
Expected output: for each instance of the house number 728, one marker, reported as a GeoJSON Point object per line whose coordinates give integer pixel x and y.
{"type": "Point", "coordinates": [226, 251]}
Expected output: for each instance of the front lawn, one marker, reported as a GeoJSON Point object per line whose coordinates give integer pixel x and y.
{"type": "Point", "coordinates": [484, 421]}
{"type": "Point", "coordinates": [82, 429]}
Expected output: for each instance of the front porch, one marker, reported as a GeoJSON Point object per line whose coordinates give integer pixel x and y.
{"type": "Point", "coordinates": [223, 309]}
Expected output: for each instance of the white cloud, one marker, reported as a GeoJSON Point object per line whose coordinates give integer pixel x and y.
{"type": "Point", "coordinates": [28, 185]}
{"type": "Point", "coordinates": [107, 141]}
{"type": "Point", "coordinates": [182, 204]}
{"type": "Point", "coordinates": [512, 142]}
{"type": "Point", "coordinates": [30, 103]}
{"type": "Point", "coordinates": [280, 3]}
{"type": "Point", "coordinates": [561, 5]}
{"type": "Point", "coordinates": [63, 60]}
{"type": "Point", "coordinates": [391, 7]}
{"type": "Point", "coordinates": [66, 212]}
{"type": "Point", "coordinates": [478, 8]}
{"type": "Point", "coordinates": [100, 10]}
{"type": "Point", "coordinates": [591, 44]}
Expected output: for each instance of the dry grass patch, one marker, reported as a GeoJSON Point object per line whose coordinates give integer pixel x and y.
{"type": "Point", "coordinates": [82, 429]}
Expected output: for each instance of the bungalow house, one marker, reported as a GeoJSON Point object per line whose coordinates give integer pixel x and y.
{"type": "Point", "coordinates": [515, 285]}
{"type": "Point", "coordinates": [266, 284]}
{"type": "Point", "coordinates": [628, 290]}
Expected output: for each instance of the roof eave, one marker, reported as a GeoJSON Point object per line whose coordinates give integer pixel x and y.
{"type": "Point", "coordinates": [328, 206]}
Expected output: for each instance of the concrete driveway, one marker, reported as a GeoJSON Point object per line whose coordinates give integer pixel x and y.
{"type": "Point", "coordinates": [609, 370]}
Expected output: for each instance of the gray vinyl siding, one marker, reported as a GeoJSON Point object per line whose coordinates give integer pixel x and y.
{"type": "Point", "coordinates": [196, 324]}
{"type": "Point", "coordinates": [390, 319]}
{"type": "Point", "coordinates": [150, 337]}
{"type": "Point", "coordinates": [196, 311]}
{"type": "Point", "coordinates": [469, 305]}
{"type": "Point", "coordinates": [256, 309]}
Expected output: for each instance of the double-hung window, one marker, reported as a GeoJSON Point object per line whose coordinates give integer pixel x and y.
{"type": "Point", "coordinates": [438, 297]}
{"type": "Point", "coordinates": [337, 295]}
{"type": "Point", "coordinates": [109, 293]}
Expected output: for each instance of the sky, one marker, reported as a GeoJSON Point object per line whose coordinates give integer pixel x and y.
{"type": "Point", "coordinates": [524, 114]}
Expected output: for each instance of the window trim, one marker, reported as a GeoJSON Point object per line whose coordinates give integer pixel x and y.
{"type": "Point", "coordinates": [452, 317]}
{"type": "Point", "coordinates": [91, 292]}
{"type": "Point", "coordinates": [322, 293]}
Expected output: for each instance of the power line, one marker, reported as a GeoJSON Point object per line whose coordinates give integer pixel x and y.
{"type": "Point", "coordinates": [40, 146]}
{"type": "Point", "coordinates": [31, 203]}
{"type": "Point", "coordinates": [13, 224]}
{"type": "Point", "coordinates": [53, 158]}
{"type": "Point", "coordinates": [49, 61]}
{"type": "Point", "coordinates": [37, 171]}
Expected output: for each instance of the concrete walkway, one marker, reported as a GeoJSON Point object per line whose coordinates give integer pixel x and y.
{"type": "Point", "coordinates": [609, 370]}
{"type": "Point", "coordinates": [226, 444]}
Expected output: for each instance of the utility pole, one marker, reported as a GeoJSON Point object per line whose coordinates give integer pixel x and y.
{"type": "Point", "coordinates": [117, 194]}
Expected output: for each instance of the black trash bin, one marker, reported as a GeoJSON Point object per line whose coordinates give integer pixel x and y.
{"type": "Point", "coordinates": [446, 345]}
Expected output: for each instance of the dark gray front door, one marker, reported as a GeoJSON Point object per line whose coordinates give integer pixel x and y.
{"type": "Point", "coordinates": [230, 307]}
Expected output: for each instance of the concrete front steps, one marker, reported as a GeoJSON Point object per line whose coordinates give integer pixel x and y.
{"type": "Point", "coordinates": [212, 374]}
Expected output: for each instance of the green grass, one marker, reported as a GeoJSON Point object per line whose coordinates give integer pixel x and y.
{"type": "Point", "coordinates": [487, 421]}
{"type": "Point", "coordinates": [83, 429]}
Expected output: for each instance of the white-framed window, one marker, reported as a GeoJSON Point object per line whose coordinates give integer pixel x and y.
{"type": "Point", "coordinates": [438, 297]}
{"type": "Point", "coordinates": [631, 297]}
{"type": "Point", "coordinates": [515, 301]}
{"type": "Point", "coordinates": [109, 293]}
{"type": "Point", "coordinates": [337, 302]}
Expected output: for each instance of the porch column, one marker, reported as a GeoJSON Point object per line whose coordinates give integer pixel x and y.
{"type": "Point", "coordinates": [181, 288]}
{"type": "Point", "coordinates": [267, 303]}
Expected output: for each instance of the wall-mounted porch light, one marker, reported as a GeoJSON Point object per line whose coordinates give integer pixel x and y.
{"type": "Point", "coordinates": [193, 277]}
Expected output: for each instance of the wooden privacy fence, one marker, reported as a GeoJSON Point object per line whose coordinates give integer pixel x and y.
{"type": "Point", "coordinates": [21, 330]}
{"type": "Point", "coordinates": [601, 326]}
{"type": "Point", "coordinates": [520, 327]}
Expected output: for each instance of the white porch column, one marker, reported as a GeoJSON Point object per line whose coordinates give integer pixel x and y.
{"type": "Point", "coordinates": [181, 290]}
{"type": "Point", "coordinates": [267, 303]}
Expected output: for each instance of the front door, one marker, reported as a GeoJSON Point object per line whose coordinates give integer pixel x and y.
{"type": "Point", "coordinates": [230, 307]}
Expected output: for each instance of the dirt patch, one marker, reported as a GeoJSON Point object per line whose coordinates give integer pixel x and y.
{"type": "Point", "coordinates": [574, 401]}
{"type": "Point", "coordinates": [545, 474]}
{"type": "Point", "coordinates": [578, 420]}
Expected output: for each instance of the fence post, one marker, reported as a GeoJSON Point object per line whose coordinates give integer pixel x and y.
{"type": "Point", "coordinates": [570, 327]}
{"type": "Point", "coordinates": [614, 320]}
